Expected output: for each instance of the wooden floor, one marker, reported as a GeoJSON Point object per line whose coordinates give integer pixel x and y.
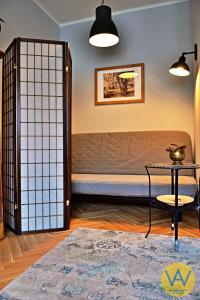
{"type": "Point", "coordinates": [17, 253]}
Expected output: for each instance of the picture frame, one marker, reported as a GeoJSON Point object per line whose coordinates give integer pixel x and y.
{"type": "Point", "coordinates": [119, 84]}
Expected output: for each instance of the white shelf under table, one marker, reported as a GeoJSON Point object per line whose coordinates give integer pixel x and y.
{"type": "Point", "coordinates": [170, 199]}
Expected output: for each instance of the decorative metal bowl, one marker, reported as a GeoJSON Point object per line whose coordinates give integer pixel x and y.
{"type": "Point", "coordinates": [176, 153]}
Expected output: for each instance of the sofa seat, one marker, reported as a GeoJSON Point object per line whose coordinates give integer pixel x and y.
{"type": "Point", "coordinates": [130, 185]}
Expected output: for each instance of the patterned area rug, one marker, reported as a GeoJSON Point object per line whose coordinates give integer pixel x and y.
{"type": "Point", "coordinates": [105, 265]}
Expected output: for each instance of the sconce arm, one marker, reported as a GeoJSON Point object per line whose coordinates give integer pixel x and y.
{"type": "Point", "coordinates": [192, 52]}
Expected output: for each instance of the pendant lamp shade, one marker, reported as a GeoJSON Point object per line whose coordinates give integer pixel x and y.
{"type": "Point", "coordinates": [103, 32]}
{"type": "Point", "coordinates": [180, 68]}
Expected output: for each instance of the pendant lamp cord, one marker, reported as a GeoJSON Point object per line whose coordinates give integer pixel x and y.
{"type": "Point", "coordinates": [102, 3]}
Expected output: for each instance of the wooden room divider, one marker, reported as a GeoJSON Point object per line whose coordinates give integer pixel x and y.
{"type": "Point", "coordinates": [36, 120]}
{"type": "Point", "coordinates": [1, 203]}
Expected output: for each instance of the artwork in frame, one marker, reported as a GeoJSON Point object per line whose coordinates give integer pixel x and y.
{"type": "Point", "coordinates": [119, 84]}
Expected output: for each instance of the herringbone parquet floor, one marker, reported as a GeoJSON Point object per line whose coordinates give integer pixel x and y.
{"type": "Point", "coordinates": [17, 253]}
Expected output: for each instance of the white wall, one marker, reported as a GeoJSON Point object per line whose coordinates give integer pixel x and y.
{"type": "Point", "coordinates": [25, 19]}
{"type": "Point", "coordinates": [196, 35]}
{"type": "Point", "coordinates": [155, 36]}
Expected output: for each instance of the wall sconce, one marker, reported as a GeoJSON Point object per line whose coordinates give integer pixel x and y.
{"type": "Point", "coordinates": [103, 32]}
{"type": "Point", "coordinates": [180, 68]}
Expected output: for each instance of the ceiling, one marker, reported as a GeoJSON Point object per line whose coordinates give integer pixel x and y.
{"type": "Point", "coordinates": [69, 11]}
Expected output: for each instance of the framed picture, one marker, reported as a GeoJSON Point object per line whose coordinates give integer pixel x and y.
{"type": "Point", "coordinates": [120, 84]}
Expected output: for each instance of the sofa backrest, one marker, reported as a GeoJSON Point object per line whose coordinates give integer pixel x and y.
{"type": "Point", "coordinates": [125, 152]}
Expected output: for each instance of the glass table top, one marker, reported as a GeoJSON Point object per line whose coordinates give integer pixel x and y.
{"type": "Point", "coordinates": [173, 166]}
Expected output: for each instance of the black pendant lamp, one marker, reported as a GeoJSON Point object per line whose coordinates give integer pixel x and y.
{"type": "Point", "coordinates": [103, 32]}
{"type": "Point", "coordinates": [181, 68]}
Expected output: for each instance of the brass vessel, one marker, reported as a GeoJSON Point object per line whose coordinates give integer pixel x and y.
{"type": "Point", "coordinates": [176, 153]}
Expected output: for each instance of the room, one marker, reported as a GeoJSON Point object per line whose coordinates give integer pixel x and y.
{"type": "Point", "coordinates": [84, 132]}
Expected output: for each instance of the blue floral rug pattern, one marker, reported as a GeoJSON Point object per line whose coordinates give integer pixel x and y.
{"type": "Point", "coordinates": [105, 265]}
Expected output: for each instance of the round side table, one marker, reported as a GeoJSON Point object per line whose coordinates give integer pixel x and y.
{"type": "Point", "coordinates": [173, 201]}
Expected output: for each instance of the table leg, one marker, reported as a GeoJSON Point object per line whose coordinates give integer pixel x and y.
{"type": "Point", "coordinates": [180, 213]}
{"type": "Point", "coordinates": [172, 192]}
{"type": "Point", "coordinates": [172, 181]}
{"type": "Point", "coordinates": [149, 222]}
{"type": "Point", "coordinates": [176, 211]}
{"type": "Point", "coordinates": [149, 177]}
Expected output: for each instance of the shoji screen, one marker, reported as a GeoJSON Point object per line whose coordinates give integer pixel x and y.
{"type": "Point", "coordinates": [42, 142]}
{"type": "Point", "coordinates": [8, 135]}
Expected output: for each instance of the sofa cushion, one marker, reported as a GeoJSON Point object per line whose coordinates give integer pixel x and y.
{"type": "Point", "coordinates": [129, 185]}
{"type": "Point", "coordinates": [125, 152]}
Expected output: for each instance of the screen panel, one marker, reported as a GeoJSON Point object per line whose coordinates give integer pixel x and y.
{"type": "Point", "coordinates": [41, 135]}
{"type": "Point", "coordinates": [8, 132]}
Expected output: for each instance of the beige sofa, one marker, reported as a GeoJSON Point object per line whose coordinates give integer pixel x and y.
{"type": "Point", "coordinates": [114, 163]}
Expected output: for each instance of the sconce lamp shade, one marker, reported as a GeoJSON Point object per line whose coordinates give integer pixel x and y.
{"type": "Point", "coordinates": [128, 75]}
{"type": "Point", "coordinates": [180, 68]}
{"type": "Point", "coordinates": [103, 32]}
